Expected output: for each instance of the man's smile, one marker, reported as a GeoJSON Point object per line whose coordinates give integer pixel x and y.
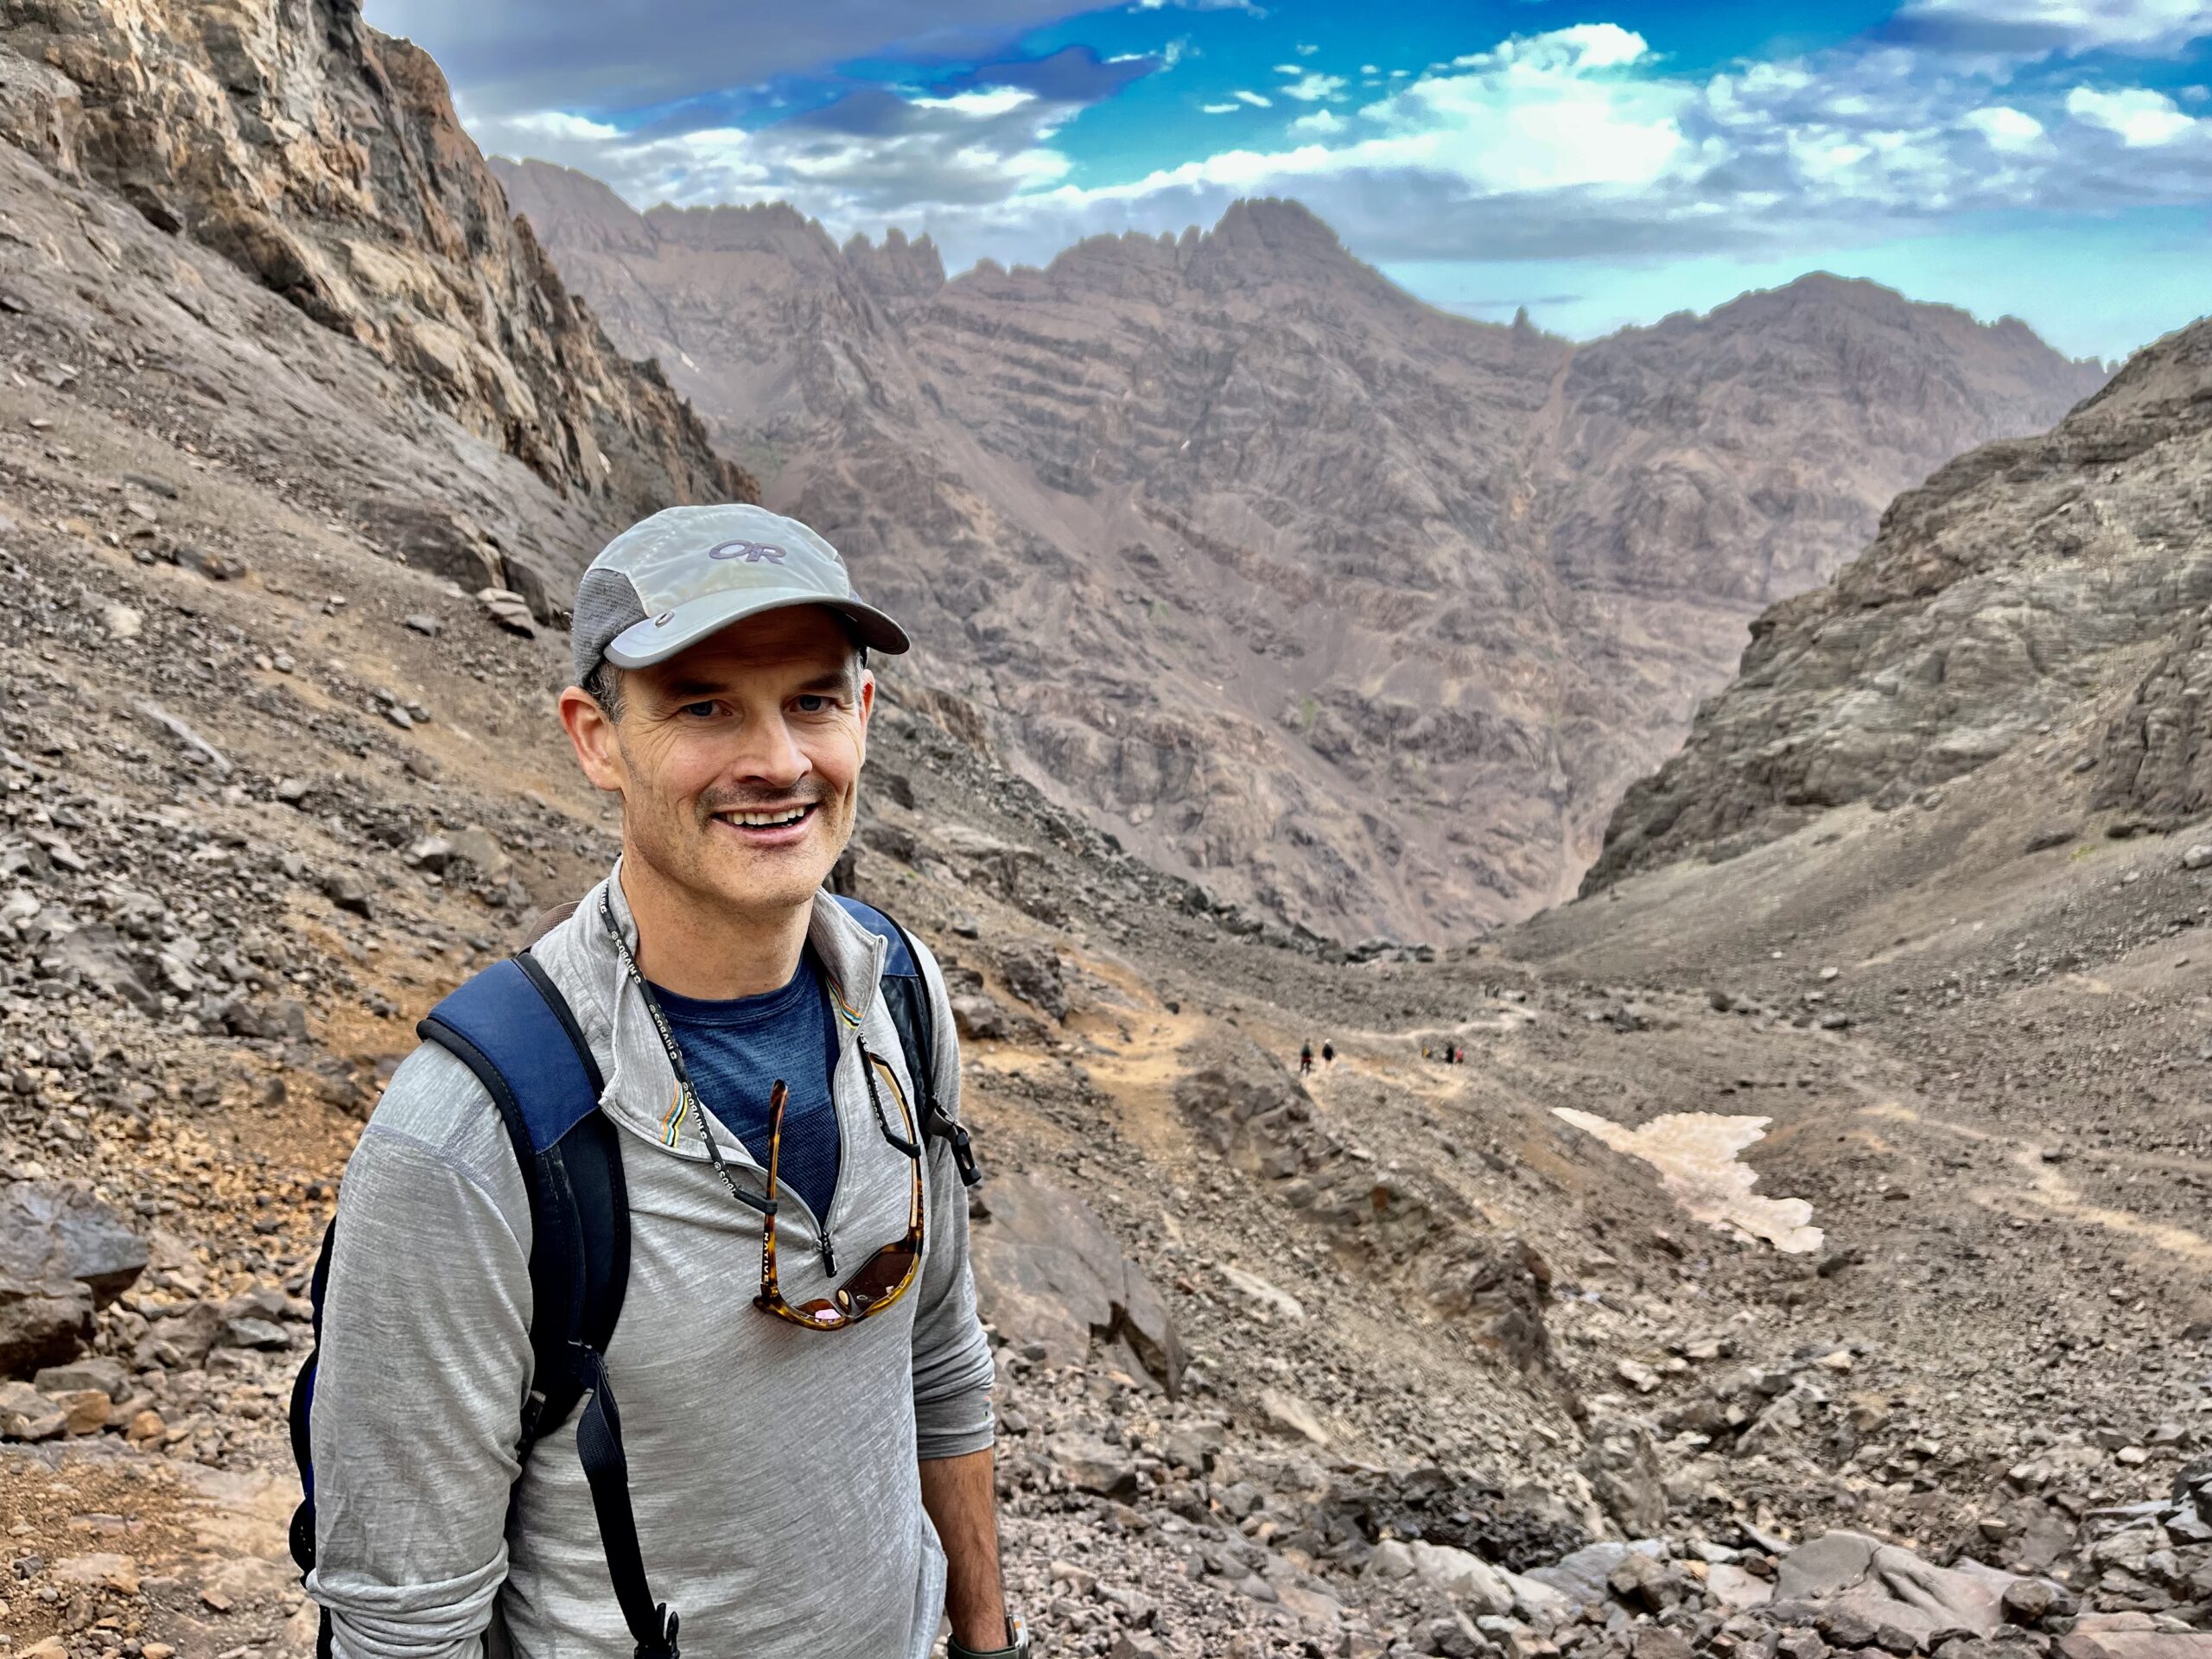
{"type": "Point", "coordinates": [769, 826]}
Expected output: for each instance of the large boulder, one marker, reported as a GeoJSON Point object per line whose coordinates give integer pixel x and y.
{"type": "Point", "coordinates": [1463, 1576]}
{"type": "Point", "coordinates": [435, 540]}
{"type": "Point", "coordinates": [1583, 1577]}
{"type": "Point", "coordinates": [1047, 1272]}
{"type": "Point", "coordinates": [1852, 1573]}
{"type": "Point", "coordinates": [63, 1254]}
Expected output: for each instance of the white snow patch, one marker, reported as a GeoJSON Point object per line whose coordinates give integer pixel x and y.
{"type": "Point", "coordinates": [1695, 1155]}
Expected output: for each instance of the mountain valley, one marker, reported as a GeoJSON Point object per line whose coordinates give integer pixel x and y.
{"type": "Point", "coordinates": [1362, 613]}
{"type": "Point", "coordinates": [1396, 1358]}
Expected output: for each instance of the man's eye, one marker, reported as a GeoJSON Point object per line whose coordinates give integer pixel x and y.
{"type": "Point", "coordinates": [812, 703]}
{"type": "Point", "coordinates": [696, 710]}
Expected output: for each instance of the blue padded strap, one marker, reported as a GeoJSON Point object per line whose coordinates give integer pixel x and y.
{"type": "Point", "coordinates": [504, 1029]}
{"type": "Point", "coordinates": [898, 961]}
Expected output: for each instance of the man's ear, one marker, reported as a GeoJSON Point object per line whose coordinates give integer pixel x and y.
{"type": "Point", "coordinates": [591, 734]}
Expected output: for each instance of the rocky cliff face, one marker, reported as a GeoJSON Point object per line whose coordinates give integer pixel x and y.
{"type": "Point", "coordinates": [1353, 608]}
{"type": "Point", "coordinates": [325, 159]}
{"type": "Point", "coordinates": [2028, 586]}
{"type": "Point", "coordinates": [1734, 454]}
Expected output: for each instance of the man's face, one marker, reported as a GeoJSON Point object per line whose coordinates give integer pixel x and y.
{"type": "Point", "coordinates": [739, 761]}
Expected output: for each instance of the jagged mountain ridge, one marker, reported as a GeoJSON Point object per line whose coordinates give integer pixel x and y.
{"type": "Point", "coordinates": [1349, 606]}
{"type": "Point", "coordinates": [2052, 583]}
{"type": "Point", "coordinates": [325, 159]}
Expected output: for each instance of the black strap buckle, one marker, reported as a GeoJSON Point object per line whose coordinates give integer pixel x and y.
{"type": "Point", "coordinates": [663, 1645]}
{"type": "Point", "coordinates": [963, 1152]}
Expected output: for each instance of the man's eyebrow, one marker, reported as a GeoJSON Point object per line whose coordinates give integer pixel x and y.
{"type": "Point", "coordinates": [682, 690]}
{"type": "Point", "coordinates": [834, 680]}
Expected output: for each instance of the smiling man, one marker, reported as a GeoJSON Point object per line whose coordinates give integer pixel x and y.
{"type": "Point", "coordinates": [802, 1463]}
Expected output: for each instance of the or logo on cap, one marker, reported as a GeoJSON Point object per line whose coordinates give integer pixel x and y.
{"type": "Point", "coordinates": [750, 552]}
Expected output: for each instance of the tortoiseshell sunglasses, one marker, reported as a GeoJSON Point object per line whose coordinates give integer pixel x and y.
{"type": "Point", "coordinates": [885, 1276]}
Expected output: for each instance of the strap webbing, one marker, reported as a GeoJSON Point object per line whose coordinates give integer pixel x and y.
{"type": "Point", "coordinates": [599, 1447]}
{"type": "Point", "coordinates": [907, 998]}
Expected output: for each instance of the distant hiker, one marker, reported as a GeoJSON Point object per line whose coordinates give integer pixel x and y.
{"type": "Point", "coordinates": [1306, 1060]}
{"type": "Point", "coordinates": [1328, 1053]}
{"type": "Point", "coordinates": [698, 1148]}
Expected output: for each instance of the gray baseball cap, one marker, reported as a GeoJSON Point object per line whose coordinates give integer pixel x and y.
{"type": "Point", "coordinates": [669, 581]}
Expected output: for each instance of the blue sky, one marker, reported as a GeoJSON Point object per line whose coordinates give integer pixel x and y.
{"type": "Point", "coordinates": [1600, 163]}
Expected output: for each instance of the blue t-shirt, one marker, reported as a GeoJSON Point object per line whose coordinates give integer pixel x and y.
{"type": "Point", "coordinates": [735, 1051]}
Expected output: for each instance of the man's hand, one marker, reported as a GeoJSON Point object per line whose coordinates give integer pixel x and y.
{"type": "Point", "coordinates": [962, 1505]}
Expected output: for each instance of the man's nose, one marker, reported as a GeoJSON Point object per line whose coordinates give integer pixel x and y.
{"type": "Point", "coordinates": [771, 754]}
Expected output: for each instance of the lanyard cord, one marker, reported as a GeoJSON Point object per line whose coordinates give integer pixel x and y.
{"type": "Point", "coordinates": [750, 1200]}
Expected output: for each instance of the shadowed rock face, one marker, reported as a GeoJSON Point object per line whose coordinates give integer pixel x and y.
{"type": "Point", "coordinates": [326, 160]}
{"type": "Point", "coordinates": [2027, 587]}
{"type": "Point", "coordinates": [1352, 607]}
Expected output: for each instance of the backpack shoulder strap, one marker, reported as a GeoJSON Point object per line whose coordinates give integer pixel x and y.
{"type": "Point", "coordinates": [514, 1029]}
{"type": "Point", "coordinates": [913, 1014]}
{"type": "Point", "coordinates": [511, 1028]}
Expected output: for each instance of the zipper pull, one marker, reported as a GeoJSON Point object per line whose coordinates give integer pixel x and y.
{"type": "Point", "coordinates": [828, 1251]}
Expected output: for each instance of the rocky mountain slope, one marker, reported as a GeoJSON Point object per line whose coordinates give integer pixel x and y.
{"type": "Point", "coordinates": [324, 159]}
{"type": "Point", "coordinates": [1360, 610]}
{"type": "Point", "coordinates": [1391, 1359]}
{"type": "Point", "coordinates": [2026, 587]}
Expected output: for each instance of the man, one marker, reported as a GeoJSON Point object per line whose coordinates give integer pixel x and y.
{"type": "Point", "coordinates": [1305, 1059]}
{"type": "Point", "coordinates": [813, 1484]}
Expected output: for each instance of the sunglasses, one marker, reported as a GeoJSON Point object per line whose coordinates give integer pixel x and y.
{"type": "Point", "coordinates": [887, 1275]}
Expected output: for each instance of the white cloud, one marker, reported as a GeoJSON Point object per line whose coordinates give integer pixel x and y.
{"type": "Point", "coordinates": [983, 101]}
{"type": "Point", "coordinates": [1220, 108]}
{"type": "Point", "coordinates": [1321, 121]}
{"type": "Point", "coordinates": [2011, 131]}
{"type": "Point", "coordinates": [2143, 119]}
{"type": "Point", "coordinates": [1536, 114]}
{"type": "Point", "coordinates": [1255, 99]}
{"type": "Point", "coordinates": [1582, 46]}
{"type": "Point", "coordinates": [1306, 49]}
{"type": "Point", "coordinates": [562, 127]}
{"type": "Point", "coordinates": [1315, 88]}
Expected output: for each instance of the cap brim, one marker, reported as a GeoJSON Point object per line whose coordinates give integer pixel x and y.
{"type": "Point", "coordinates": [657, 639]}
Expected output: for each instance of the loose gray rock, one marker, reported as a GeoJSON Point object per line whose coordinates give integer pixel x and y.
{"type": "Point", "coordinates": [1047, 1272]}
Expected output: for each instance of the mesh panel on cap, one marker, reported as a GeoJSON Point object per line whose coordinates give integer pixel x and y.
{"type": "Point", "coordinates": [606, 603]}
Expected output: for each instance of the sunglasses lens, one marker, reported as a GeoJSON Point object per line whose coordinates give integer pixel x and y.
{"type": "Point", "coordinates": [879, 1276]}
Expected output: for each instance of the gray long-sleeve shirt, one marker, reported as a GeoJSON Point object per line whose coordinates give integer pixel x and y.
{"type": "Point", "coordinates": [773, 1469]}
